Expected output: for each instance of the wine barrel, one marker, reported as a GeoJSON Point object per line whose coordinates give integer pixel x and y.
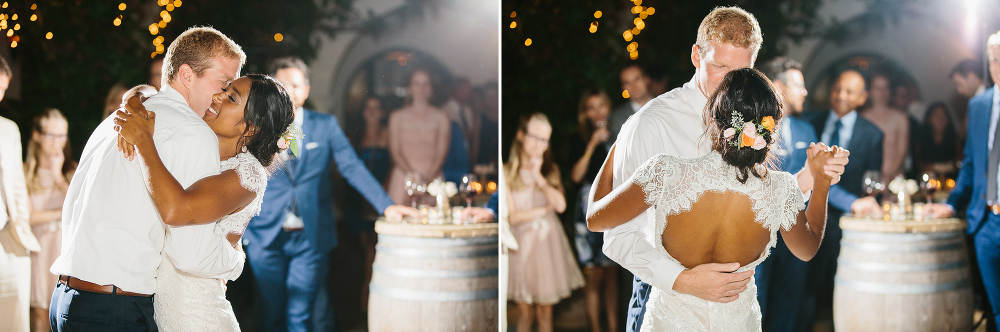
{"type": "Point", "coordinates": [902, 276]}
{"type": "Point", "coordinates": [434, 278]}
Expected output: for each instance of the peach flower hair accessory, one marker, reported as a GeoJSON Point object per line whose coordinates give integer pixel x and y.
{"type": "Point", "coordinates": [750, 134]}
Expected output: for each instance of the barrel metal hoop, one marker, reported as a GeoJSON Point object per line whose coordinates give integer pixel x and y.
{"type": "Point", "coordinates": [897, 267]}
{"type": "Point", "coordinates": [433, 274]}
{"type": "Point", "coordinates": [437, 242]}
{"type": "Point", "coordinates": [424, 253]}
{"type": "Point", "coordinates": [885, 288]}
{"type": "Point", "coordinates": [903, 237]}
{"type": "Point", "coordinates": [886, 247]}
{"type": "Point", "coordinates": [434, 296]}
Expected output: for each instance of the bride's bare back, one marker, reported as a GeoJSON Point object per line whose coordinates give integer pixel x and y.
{"type": "Point", "coordinates": [720, 228]}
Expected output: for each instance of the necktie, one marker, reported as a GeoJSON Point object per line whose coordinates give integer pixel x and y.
{"type": "Point", "coordinates": [835, 138]}
{"type": "Point", "coordinates": [991, 178]}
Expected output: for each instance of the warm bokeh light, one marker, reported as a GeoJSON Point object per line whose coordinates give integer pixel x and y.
{"type": "Point", "coordinates": [635, 31]}
{"type": "Point", "coordinates": [636, 9]}
{"type": "Point", "coordinates": [122, 6]}
{"type": "Point", "coordinates": [177, 3]}
{"type": "Point", "coordinates": [527, 42]}
{"type": "Point", "coordinates": [279, 37]}
{"type": "Point", "coordinates": [153, 29]}
{"type": "Point", "coordinates": [118, 21]}
{"type": "Point", "coordinates": [17, 26]}
{"type": "Point", "coordinates": [513, 14]}
{"type": "Point", "coordinates": [34, 6]}
{"type": "Point", "coordinates": [33, 17]}
{"type": "Point", "coordinates": [492, 186]}
{"type": "Point", "coordinates": [13, 44]}
{"type": "Point", "coordinates": [162, 24]}
{"type": "Point", "coordinates": [10, 33]}
{"type": "Point", "coordinates": [4, 5]}
{"type": "Point", "coordinates": [598, 14]}
{"type": "Point", "coordinates": [159, 48]}
{"type": "Point", "coordinates": [170, 7]}
{"type": "Point", "coordinates": [950, 183]}
{"type": "Point", "coordinates": [633, 55]}
{"type": "Point", "coordinates": [637, 2]}
{"type": "Point", "coordinates": [627, 35]}
{"type": "Point", "coordinates": [513, 25]}
{"type": "Point", "coordinates": [650, 11]}
{"type": "Point", "coordinates": [48, 35]}
{"type": "Point", "coordinates": [632, 46]}
{"type": "Point", "coordinates": [14, 18]}
{"type": "Point", "coordinates": [625, 94]}
{"type": "Point", "coordinates": [593, 27]}
{"type": "Point", "coordinates": [158, 40]}
{"type": "Point", "coordinates": [166, 18]}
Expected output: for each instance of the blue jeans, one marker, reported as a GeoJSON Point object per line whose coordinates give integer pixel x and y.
{"type": "Point", "coordinates": [74, 310]}
{"type": "Point", "coordinates": [637, 305]}
{"type": "Point", "coordinates": [288, 275]}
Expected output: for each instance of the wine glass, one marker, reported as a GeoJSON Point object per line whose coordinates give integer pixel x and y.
{"type": "Point", "coordinates": [469, 188]}
{"type": "Point", "coordinates": [415, 186]}
{"type": "Point", "coordinates": [930, 183]}
{"type": "Point", "coordinates": [872, 182]}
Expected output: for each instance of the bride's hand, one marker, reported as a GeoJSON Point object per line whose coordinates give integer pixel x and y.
{"type": "Point", "coordinates": [817, 157]}
{"type": "Point", "coordinates": [134, 96]}
{"type": "Point", "coordinates": [134, 128]}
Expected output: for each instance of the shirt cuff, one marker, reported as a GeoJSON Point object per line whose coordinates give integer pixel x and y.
{"type": "Point", "coordinates": [665, 273]}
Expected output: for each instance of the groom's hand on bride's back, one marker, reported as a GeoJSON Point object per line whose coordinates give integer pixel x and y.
{"type": "Point", "coordinates": [134, 96]}
{"type": "Point", "coordinates": [713, 282]}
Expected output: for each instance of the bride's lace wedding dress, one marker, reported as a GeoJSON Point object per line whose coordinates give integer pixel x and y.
{"type": "Point", "coordinates": [184, 302]}
{"type": "Point", "coordinates": [672, 185]}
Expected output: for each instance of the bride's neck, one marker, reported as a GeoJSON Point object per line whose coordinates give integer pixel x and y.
{"type": "Point", "coordinates": [227, 148]}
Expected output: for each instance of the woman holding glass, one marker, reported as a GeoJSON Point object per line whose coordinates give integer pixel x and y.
{"type": "Point", "coordinates": [47, 174]}
{"type": "Point", "coordinates": [419, 136]}
{"type": "Point", "coordinates": [588, 149]}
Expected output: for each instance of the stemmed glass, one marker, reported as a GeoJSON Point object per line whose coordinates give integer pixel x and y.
{"type": "Point", "coordinates": [415, 186]}
{"type": "Point", "coordinates": [469, 188]}
{"type": "Point", "coordinates": [872, 183]}
{"type": "Point", "coordinates": [930, 183]}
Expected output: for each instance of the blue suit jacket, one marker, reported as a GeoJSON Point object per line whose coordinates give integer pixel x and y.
{"type": "Point", "coordinates": [311, 186]}
{"type": "Point", "coordinates": [792, 158]}
{"type": "Point", "coordinates": [970, 187]}
{"type": "Point", "coordinates": [866, 154]}
{"type": "Point", "coordinates": [456, 163]}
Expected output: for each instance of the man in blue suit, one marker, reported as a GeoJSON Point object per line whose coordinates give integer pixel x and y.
{"type": "Point", "coordinates": [976, 186]}
{"type": "Point", "coordinates": [289, 242]}
{"type": "Point", "coordinates": [786, 273]}
{"type": "Point", "coordinates": [841, 126]}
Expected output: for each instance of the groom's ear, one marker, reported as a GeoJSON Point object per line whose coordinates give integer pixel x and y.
{"type": "Point", "coordinates": [186, 75]}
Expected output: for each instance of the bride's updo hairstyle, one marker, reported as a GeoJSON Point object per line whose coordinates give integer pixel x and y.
{"type": "Point", "coordinates": [744, 95]}
{"type": "Point", "coordinates": [269, 110]}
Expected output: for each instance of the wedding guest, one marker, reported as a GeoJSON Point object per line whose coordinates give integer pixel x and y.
{"type": "Point", "coordinates": [542, 270]}
{"type": "Point", "coordinates": [371, 141]}
{"type": "Point", "coordinates": [47, 174]}
{"type": "Point", "coordinates": [419, 137]}
{"type": "Point", "coordinates": [588, 149]}
{"type": "Point", "coordinates": [968, 78]}
{"type": "Point", "coordinates": [781, 278]}
{"type": "Point", "coordinates": [487, 97]}
{"type": "Point", "coordinates": [840, 125]}
{"type": "Point", "coordinates": [893, 123]}
{"type": "Point", "coordinates": [635, 80]}
{"type": "Point", "coordinates": [155, 72]}
{"type": "Point", "coordinates": [289, 243]}
{"type": "Point", "coordinates": [114, 99]}
{"type": "Point", "coordinates": [977, 194]}
{"type": "Point", "coordinates": [939, 150]}
{"type": "Point", "coordinates": [906, 97]}
{"type": "Point", "coordinates": [16, 239]}
{"type": "Point", "coordinates": [459, 111]}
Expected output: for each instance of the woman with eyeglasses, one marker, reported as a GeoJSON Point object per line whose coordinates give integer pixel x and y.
{"type": "Point", "coordinates": [542, 269]}
{"type": "Point", "coordinates": [47, 174]}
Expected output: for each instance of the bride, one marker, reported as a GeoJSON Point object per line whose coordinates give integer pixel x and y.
{"type": "Point", "coordinates": [726, 206]}
{"type": "Point", "coordinates": [249, 118]}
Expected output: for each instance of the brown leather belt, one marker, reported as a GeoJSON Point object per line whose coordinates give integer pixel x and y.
{"type": "Point", "coordinates": [95, 288]}
{"type": "Point", "coordinates": [994, 209]}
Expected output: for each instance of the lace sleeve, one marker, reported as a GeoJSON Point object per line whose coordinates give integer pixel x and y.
{"type": "Point", "coordinates": [253, 176]}
{"type": "Point", "coordinates": [652, 177]}
{"type": "Point", "coordinates": [794, 203]}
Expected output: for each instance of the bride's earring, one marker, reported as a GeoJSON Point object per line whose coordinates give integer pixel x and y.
{"type": "Point", "coordinates": [244, 148]}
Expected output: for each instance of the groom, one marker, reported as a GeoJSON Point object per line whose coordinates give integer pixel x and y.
{"type": "Point", "coordinates": [112, 235]}
{"type": "Point", "coordinates": [728, 39]}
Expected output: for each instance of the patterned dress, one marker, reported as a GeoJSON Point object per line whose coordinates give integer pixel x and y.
{"type": "Point", "coordinates": [185, 302]}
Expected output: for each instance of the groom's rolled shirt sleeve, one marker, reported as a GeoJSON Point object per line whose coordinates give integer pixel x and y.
{"type": "Point", "coordinates": [191, 155]}
{"type": "Point", "coordinates": [627, 245]}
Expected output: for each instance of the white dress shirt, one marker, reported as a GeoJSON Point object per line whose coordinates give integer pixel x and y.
{"type": "Point", "coordinates": [671, 123]}
{"type": "Point", "coordinates": [291, 220]}
{"type": "Point", "coordinates": [112, 232]}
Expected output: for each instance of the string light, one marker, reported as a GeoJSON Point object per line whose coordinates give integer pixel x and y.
{"type": "Point", "coordinates": [10, 33]}
{"type": "Point", "coordinates": [4, 5]}
{"type": "Point", "coordinates": [48, 35]}
{"type": "Point", "coordinates": [625, 94]}
{"type": "Point", "coordinates": [627, 35]}
{"type": "Point", "coordinates": [13, 44]}
{"type": "Point", "coordinates": [527, 42]}
{"type": "Point", "coordinates": [593, 27]}
{"type": "Point", "coordinates": [34, 17]}
{"type": "Point", "coordinates": [14, 18]}
{"type": "Point", "coordinates": [153, 29]}
{"type": "Point", "coordinates": [512, 14]}
{"type": "Point", "coordinates": [598, 14]}
{"type": "Point", "coordinates": [170, 7]}
{"type": "Point", "coordinates": [177, 3]}
{"type": "Point", "coordinates": [278, 37]}
{"type": "Point", "coordinates": [121, 6]}
{"type": "Point", "coordinates": [513, 25]}
{"type": "Point", "coordinates": [34, 6]}
{"type": "Point", "coordinates": [17, 26]}
{"type": "Point", "coordinates": [118, 20]}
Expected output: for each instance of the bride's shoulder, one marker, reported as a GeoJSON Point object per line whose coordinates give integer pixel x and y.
{"type": "Point", "coordinates": [253, 175]}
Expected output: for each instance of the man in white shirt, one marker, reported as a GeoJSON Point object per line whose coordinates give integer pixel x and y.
{"type": "Point", "coordinates": [112, 234]}
{"type": "Point", "coordinates": [672, 123]}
